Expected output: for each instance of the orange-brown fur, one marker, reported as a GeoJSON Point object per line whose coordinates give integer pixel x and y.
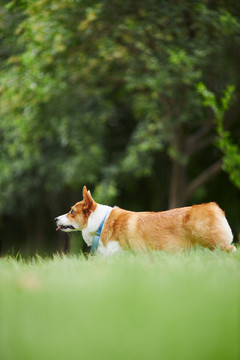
{"type": "Point", "coordinates": [181, 228]}
{"type": "Point", "coordinates": [167, 230]}
{"type": "Point", "coordinates": [82, 209]}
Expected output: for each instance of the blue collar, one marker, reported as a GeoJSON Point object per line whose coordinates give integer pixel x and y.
{"type": "Point", "coordinates": [97, 236]}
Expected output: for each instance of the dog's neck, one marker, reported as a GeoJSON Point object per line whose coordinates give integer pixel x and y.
{"type": "Point", "coordinates": [94, 221]}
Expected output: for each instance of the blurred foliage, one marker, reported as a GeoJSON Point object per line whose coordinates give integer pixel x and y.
{"type": "Point", "coordinates": [231, 158]}
{"type": "Point", "coordinates": [104, 93]}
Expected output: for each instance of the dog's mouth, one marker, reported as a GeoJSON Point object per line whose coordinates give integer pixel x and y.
{"type": "Point", "coordinates": [64, 227]}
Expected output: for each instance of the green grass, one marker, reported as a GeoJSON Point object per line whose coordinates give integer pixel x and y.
{"type": "Point", "coordinates": [136, 306]}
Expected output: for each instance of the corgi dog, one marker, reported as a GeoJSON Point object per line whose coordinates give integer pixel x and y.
{"type": "Point", "coordinates": [111, 229]}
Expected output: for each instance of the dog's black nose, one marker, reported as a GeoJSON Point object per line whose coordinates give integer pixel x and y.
{"type": "Point", "coordinates": [55, 219]}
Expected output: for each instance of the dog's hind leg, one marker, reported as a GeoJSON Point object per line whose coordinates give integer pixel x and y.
{"type": "Point", "coordinates": [229, 248]}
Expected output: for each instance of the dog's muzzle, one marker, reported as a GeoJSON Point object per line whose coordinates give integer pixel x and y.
{"type": "Point", "coordinates": [62, 227]}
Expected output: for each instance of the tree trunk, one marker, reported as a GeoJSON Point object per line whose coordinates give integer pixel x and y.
{"type": "Point", "coordinates": [180, 189]}
{"type": "Point", "coordinates": [177, 185]}
{"type": "Point", "coordinates": [178, 171]}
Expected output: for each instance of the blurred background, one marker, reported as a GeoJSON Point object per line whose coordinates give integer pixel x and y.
{"type": "Point", "coordinates": [138, 100]}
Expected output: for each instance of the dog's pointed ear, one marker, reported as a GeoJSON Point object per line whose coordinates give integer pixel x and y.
{"type": "Point", "coordinates": [84, 191]}
{"type": "Point", "coordinates": [87, 198]}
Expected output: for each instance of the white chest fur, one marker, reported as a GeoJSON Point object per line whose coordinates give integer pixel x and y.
{"type": "Point", "coordinates": [94, 221]}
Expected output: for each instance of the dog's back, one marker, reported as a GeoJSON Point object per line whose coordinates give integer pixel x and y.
{"type": "Point", "coordinates": [180, 228]}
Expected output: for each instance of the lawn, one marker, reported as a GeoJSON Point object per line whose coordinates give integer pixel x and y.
{"type": "Point", "coordinates": [135, 306]}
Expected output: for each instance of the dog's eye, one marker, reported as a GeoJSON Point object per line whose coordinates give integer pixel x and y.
{"type": "Point", "coordinates": [72, 212]}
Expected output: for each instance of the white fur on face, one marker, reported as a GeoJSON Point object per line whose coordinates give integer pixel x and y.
{"type": "Point", "coordinates": [88, 232]}
{"type": "Point", "coordinates": [66, 225]}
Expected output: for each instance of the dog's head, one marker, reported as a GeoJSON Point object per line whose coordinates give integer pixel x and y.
{"type": "Point", "coordinates": [77, 218]}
